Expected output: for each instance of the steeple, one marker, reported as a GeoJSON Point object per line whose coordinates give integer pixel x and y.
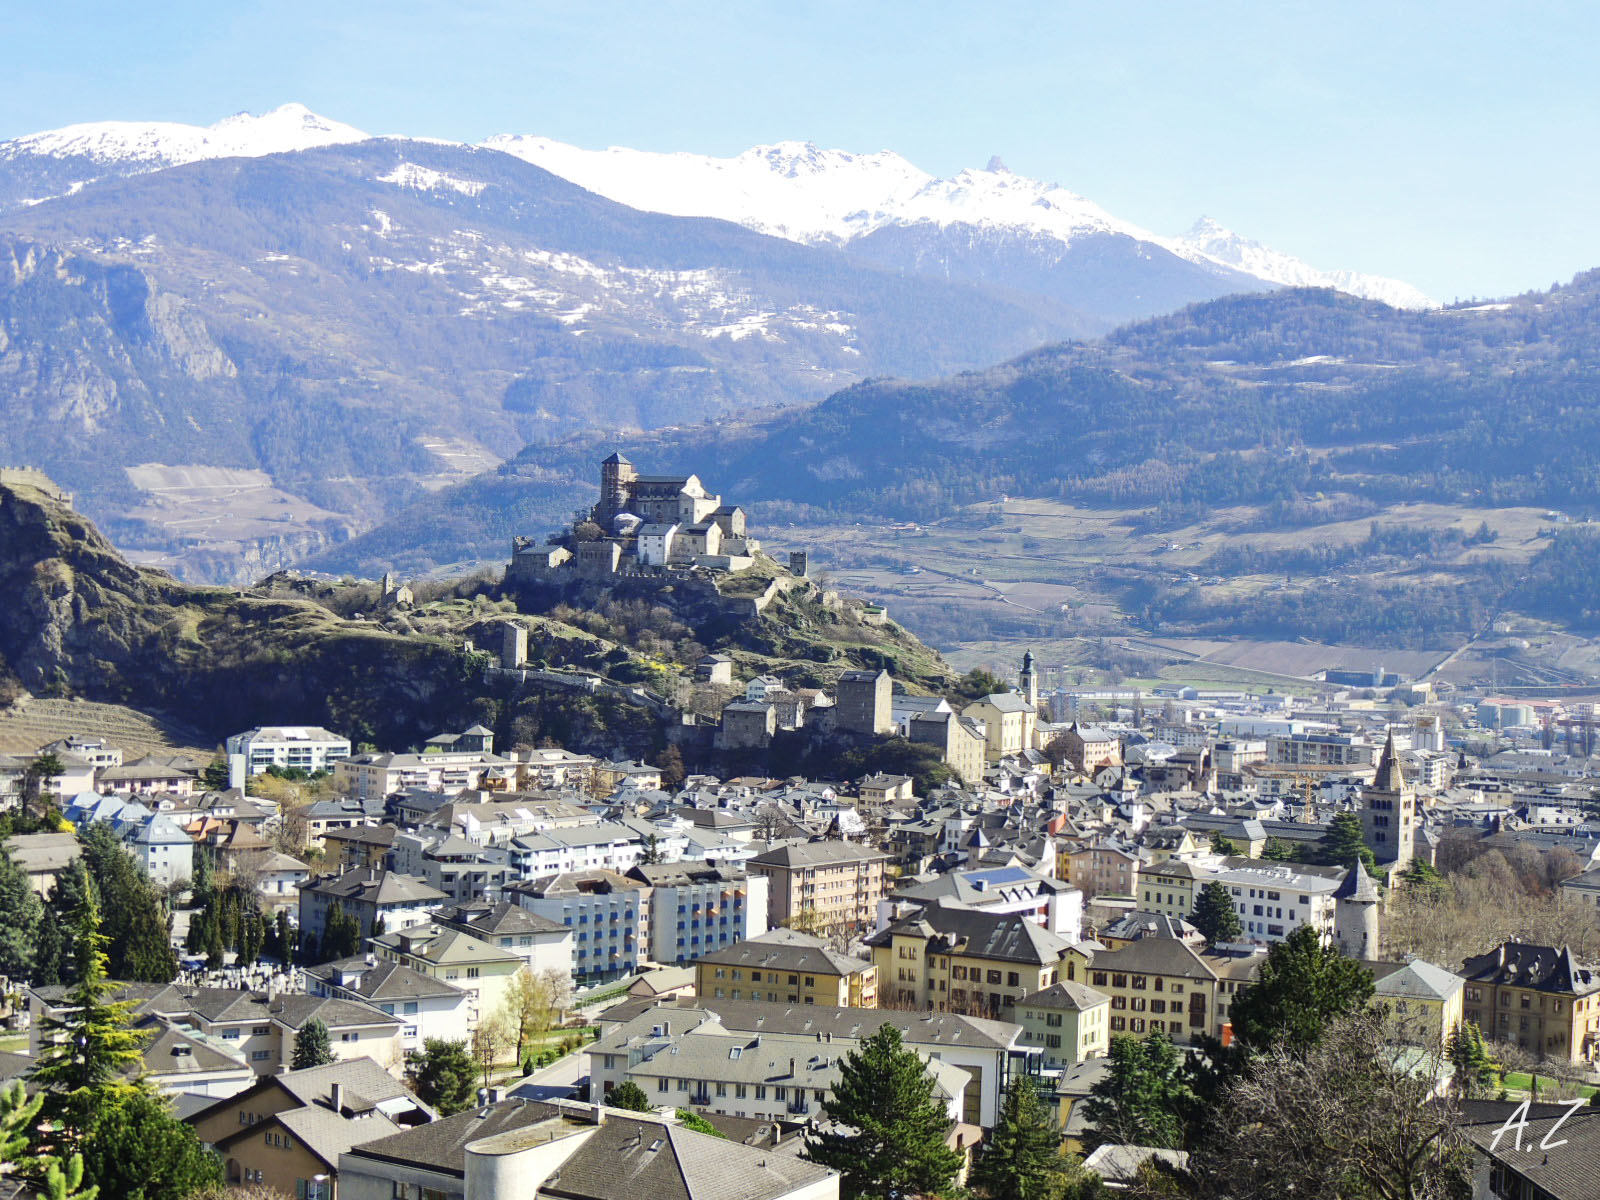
{"type": "Point", "coordinates": [1391, 777]}
{"type": "Point", "coordinates": [1029, 679]}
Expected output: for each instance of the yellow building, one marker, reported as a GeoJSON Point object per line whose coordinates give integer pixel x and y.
{"type": "Point", "coordinates": [1156, 985]}
{"type": "Point", "coordinates": [1170, 887]}
{"type": "Point", "coordinates": [964, 960]}
{"type": "Point", "coordinates": [1537, 998]}
{"type": "Point", "coordinates": [1010, 724]}
{"type": "Point", "coordinates": [1066, 1023]}
{"type": "Point", "coordinates": [786, 967]}
{"type": "Point", "coordinates": [1425, 1002]}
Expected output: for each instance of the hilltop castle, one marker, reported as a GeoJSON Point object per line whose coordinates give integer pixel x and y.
{"type": "Point", "coordinates": [642, 525]}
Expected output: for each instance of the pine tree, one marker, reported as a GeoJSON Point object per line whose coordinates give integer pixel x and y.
{"type": "Point", "coordinates": [1298, 990]}
{"type": "Point", "coordinates": [1223, 845]}
{"type": "Point", "coordinates": [628, 1095]}
{"type": "Point", "coordinates": [1021, 1157]}
{"type": "Point", "coordinates": [71, 888]}
{"type": "Point", "coordinates": [445, 1074]}
{"type": "Point", "coordinates": [136, 1148]}
{"type": "Point", "coordinates": [1344, 843]}
{"type": "Point", "coordinates": [312, 1046]}
{"type": "Point", "coordinates": [18, 1117]}
{"type": "Point", "coordinates": [66, 1182]}
{"type": "Point", "coordinates": [21, 914]}
{"type": "Point", "coordinates": [890, 1139]}
{"type": "Point", "coordinates": [1214, 915]}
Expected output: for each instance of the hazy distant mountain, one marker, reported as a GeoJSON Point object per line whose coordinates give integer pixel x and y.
{"type": "Point", "coordinates": [354, 323]}
{"type": "Point", "coordinates": [976, 224]}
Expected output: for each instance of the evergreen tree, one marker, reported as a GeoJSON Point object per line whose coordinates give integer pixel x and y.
{"type": "Point", "coordinates": [1278, 850]}
{"type": "Point", "coordinates": [203, 882]}
{"type": "Point", "coordinates": [341, 935]}
{"type": "Point", "coordinates": [19, 1115]}
{"type": "Point", "coordinates": [148, 956]}
{"type": "Point", "coordinates": [1477, 1073]}
{"type": "Point", "coordinates": [889, 1131]}
{"type": "Point", "coordinates": [92, 1043]}
{"type": "Point", "coordinates": [444, 1074]}
{"type": "Point", "coordinates": [1224, 846]}
{"type": "Point", "coordinates": [1422, 880]}
{"type": "Point", "coordinates": [1214, 915]}
{"type": "Point", "coordinates": [72, 887]}
{"type": "Point", "coordinates": [215, 776]}
{"type": "Point", "coordinates": [136, 925]}
{"type": "Point", "coordinates": [1301, 986]}
{"type": "Point", "coordinates": [21, 915]}
{"type": "Point", "coordinates": [1344, 843]}
{"type": "Point", "coordinates": [1021, 1157]}
{"type": "Point", "coordinates": [1144, 1098]}
{"type": "Point", "coordinates": [312, 1046]}
{"type": "Point", "coordinates": [628, 1095]}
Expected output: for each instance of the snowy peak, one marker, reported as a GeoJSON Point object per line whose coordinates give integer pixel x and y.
{"type": "Point", "coordinates": [799, 191]}
{"type": "Point", "coordinates": [156, 144]}
{"type": "Point", "coordinates": [1214, 242]}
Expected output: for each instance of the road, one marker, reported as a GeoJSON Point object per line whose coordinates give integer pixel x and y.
{"type": "Point", "coordinates": [559, 1079]}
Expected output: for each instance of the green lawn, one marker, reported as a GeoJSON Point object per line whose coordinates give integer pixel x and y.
{"type": "Point", "coordinates": [1522, 1081]}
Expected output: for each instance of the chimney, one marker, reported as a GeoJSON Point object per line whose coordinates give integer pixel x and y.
{"type": "Point", "coordinates": [791, 1068]}
{"type": "Point", "coordinates": [336, 1097]}
{"type": "Point", "coordinates": [597, 1113]}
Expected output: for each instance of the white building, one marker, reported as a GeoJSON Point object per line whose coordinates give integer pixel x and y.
{"type": "Point", "coordinates": [1274, 899]}
{"type": "Point", "coordinates": [308, 747]}
{"type": "Point", "coordinates": [163, 850]}
{"type": "Point", "coordinates": [609, 846]}
{"type": "Point", "coordinates": [427, 1007]}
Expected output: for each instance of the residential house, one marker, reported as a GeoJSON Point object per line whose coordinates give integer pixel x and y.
{"type": "Point", "coordinates": [541, 943]}
{"type": "Point", "coordinates": [440, 952]}
{"type": "Point", "coordinates": [1425, 1002]}
{"type": "Point", "coordinates": [1101, 869]}
{"type": "Point", "coordinates": [427, 1007]}
{"type": "Point", "coordinates": [43, 857]}
{"type": "Point", "coordinates": [288, 1131]}
{"type": "Point", "coordinates": [398, 900]}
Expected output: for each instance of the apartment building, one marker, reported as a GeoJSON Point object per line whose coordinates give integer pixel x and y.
{"type": "Point", "coordinates": [697, 909]}
{"type": "Point", "coordinates": [958, 960]}
{"type": "Point", "coordinates": [308, 748]}
{"type": "Point", "coordinates": [785, 967]}
{"type": "Point", "coordinates": [440, 952]}
{"type": "Point", "coordinates": [604, 910]}
{"type": "Point", "coordinates": [831, 883]}
{"type": "Point", "coordinates": [1156, 985]}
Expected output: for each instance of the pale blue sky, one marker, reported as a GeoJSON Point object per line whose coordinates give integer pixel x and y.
{"type": "Point", "coordinates": [1452, 145]}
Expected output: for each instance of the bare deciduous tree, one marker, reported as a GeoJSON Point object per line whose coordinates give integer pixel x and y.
{"type": "Point", "coordinates": [1348, 1117]}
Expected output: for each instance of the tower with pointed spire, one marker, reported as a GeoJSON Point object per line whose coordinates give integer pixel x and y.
{"type": "Point", "coordinates": [1029, 679]}
{"type": "Point", "coordinates": [616, 473]}
{"type": "Point", "coordinates": [1355, 914]}
{"type": "Point", "coordinates": [1389, 811]}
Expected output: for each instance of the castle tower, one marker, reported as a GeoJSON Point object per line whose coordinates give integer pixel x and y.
{"type": "Point", "coordinates": [1029, 679]}
{"type": "Point", "coordinates": [616, 477]}
{"type": "Point", "coordinates": [1355, 914]}
{"type": "Point", "coordinates": [1389, 811]}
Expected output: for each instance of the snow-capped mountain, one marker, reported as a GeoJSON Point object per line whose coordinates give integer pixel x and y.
{"type": "Point", "coordinates": [61, 161]}
{"type": "Point", "coordinates": [167, 143]}
{"type": "Point", "coordinates": [802, 192]}
{"type": "Point", "coordinates": [1207, 239]}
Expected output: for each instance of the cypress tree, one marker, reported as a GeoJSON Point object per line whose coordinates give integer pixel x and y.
{"type": "Point", "coordinates": [890, 1139]}
{"type": "Point", "coordinates": [1021, 1157]}
{"type": "Point", "coordinates": [312, 1046]}
{"type": "Point", "coordinates": [1214, 915]}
